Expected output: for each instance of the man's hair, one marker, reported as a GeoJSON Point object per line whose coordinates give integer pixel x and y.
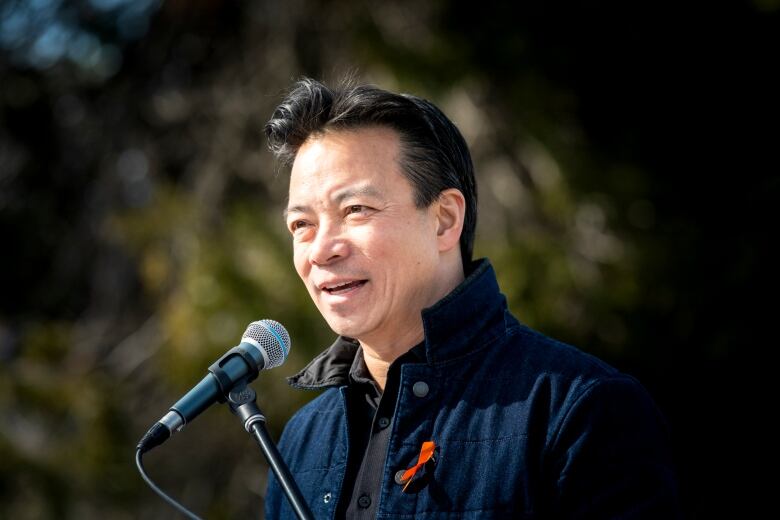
{"type": "Point", "coordinates": [434, 155]}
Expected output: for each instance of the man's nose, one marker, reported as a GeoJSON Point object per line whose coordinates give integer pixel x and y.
{"type": "Point", "coordinates": [329, 245]}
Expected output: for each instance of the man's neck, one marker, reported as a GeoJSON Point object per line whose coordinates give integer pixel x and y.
{"type": "Point", "coordinates": [379, 357]}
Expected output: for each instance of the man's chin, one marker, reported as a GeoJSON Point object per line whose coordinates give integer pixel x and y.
{"type": "Point", "coordinates": [345, 327]}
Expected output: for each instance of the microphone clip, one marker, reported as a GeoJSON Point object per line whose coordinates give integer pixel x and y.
{"type": "Point", "coordinates": [225, 382]}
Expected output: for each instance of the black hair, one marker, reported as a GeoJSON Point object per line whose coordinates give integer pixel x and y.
{"type": "Point", "coordinates": [434, 155]}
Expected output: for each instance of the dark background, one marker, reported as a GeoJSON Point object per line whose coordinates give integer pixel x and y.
{"type": "Point", "coordinates": [626, 160]}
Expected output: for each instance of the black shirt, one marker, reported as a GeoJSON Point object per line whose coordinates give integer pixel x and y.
{"type": "Point", "coordinates": [369, 422]}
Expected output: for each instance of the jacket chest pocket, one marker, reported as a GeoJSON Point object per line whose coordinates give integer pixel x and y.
{"type": "Point", "coordinates": [475, 478]}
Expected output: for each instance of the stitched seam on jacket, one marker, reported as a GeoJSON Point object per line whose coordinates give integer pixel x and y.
{"type": "Point", "coordinates": [470, 441]}
{"type": "Point", "coordinates": [448, 513]}
{"type": "Point", "coordinates": [324, 468]}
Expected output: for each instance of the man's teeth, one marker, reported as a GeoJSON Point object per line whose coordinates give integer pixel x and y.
{"type": "Point", "coordinates": [343, 286]}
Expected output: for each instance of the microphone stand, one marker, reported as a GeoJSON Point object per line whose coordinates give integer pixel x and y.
{"type": "Point", "coordinates": [242, 403]}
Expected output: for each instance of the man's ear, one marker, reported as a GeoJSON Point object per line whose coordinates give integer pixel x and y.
{"type": "Point", "coordinates": [450, 213]}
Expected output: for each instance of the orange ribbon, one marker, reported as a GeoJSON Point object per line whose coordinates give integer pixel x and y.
{"type": "Point", "coordinates": [425, 455]}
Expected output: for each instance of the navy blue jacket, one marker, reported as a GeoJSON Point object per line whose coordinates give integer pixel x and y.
{"type": "Point", "coordinates": [525, 426]}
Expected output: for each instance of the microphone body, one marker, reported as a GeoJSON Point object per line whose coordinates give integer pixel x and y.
{"type": "Point", "coordinates": [265, 344]}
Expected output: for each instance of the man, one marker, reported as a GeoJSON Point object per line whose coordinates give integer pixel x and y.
{"type": "Point", "coordinates": [429, 366]}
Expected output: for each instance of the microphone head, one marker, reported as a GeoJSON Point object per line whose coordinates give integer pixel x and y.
{"type": "Point", "coordinates": [272, 339]}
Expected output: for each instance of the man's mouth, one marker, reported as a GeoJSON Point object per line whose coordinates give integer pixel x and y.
{"type": "Point", "coordinates": [345, 287]}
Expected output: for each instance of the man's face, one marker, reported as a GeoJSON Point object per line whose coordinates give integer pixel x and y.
{"type": "Point", "coordinates": [367, 254]}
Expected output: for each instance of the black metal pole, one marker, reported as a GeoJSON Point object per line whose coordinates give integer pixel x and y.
{"type": "Point", "coordinates": [242, 403]}
{"type": "Point", "coordinates": [281, 471]}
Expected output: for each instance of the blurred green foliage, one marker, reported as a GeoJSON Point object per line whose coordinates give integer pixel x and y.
{"type": "Point", "coordinates": [624, 195]}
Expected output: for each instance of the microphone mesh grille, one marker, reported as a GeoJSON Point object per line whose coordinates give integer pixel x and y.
{"type": "Point", "coordinates": [273, 339]}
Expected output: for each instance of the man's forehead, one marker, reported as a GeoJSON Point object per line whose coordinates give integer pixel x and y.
{"type": "Point", "coordinates": [338, 147]}
{"type": "Point", "coordinates": [334, 166]}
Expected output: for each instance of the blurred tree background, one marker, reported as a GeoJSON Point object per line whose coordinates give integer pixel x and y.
{"type": "Point", "coordinates": [623, 154]}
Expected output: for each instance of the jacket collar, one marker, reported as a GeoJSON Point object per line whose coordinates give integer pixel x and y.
{"type": "Point", "coordinates": [468, 318]}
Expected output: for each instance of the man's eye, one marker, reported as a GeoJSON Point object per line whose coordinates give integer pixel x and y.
{"type": "Point", "coordinates": [357, 208]}
{"type": "Point", "coordinates": [298, 224]}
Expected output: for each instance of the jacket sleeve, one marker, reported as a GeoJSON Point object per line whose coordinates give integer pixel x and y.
{"type": "Point", "coordinates": [274, 497]}
{"type": "Point", "coordinates": [276, 506]}
{"type": "Point", "coordinates": [611, 456]}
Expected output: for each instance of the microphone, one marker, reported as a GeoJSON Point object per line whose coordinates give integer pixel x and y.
{"type": "Point", "coordinates": [265, 344]}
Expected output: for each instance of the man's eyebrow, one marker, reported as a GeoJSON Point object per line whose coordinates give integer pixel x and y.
{"type": "Point", "coordinates": [294, 209]}
{"type": "Point", "coordinates": [365, 191]}
{"type": "Point", "coordinates": [339, 197]}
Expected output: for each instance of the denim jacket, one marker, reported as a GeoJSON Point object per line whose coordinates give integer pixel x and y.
{"type": "Point", "coordinates": [524, 426]}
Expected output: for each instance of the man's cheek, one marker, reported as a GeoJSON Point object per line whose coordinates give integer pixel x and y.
{"type": "Point", "coordinates": [300, 264]}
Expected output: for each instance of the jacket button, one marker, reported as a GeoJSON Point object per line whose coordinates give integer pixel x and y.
{"type": "Point", "coordinates": [326, 498]}
{"type": "Point", "coordinates": [364, 501]}
{"type": "Point", "coordinates": [399, 477]}
{"type": "Point", "coordinates": [383, 422]}
{"type": "Point", "coordinates": [420, 389]}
